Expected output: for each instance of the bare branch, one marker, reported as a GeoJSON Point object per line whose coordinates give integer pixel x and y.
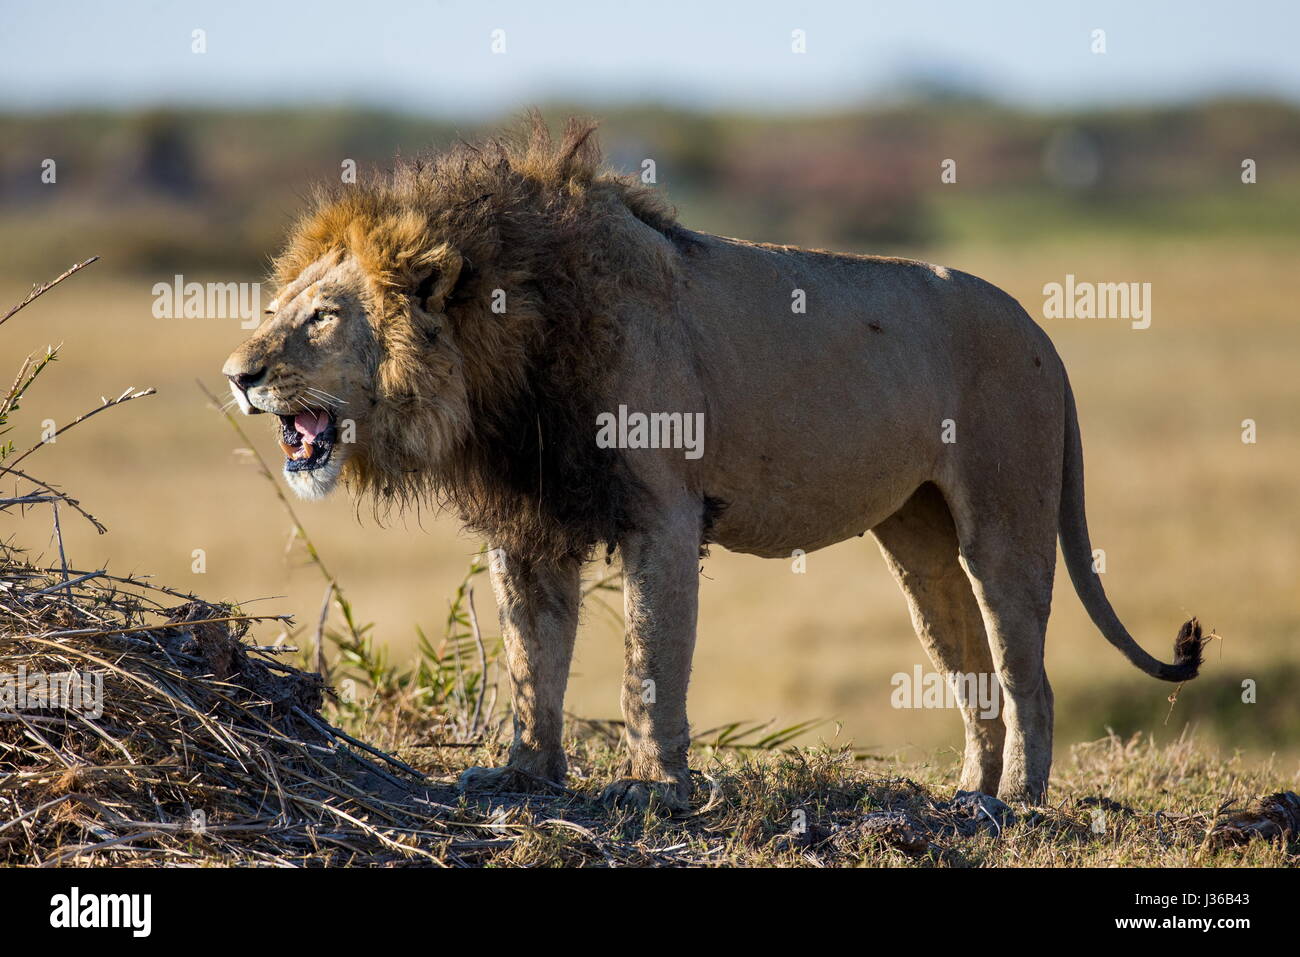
{"type": "Point", "coordinates": [38, 291]}
{"type": "Point", "coordinates": [63, 558]}
{"type": "Point", "coordinates": [322, 666]}
{"type": "Point", "coordinates": [60, 496]}
{"type": "Point", "coordinates": [126, 396]}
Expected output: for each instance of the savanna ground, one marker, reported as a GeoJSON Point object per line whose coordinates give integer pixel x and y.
{"type": "Point", "coordinates": [1193, 522]}
{"type": "Point", "coordinates": [212, 751]}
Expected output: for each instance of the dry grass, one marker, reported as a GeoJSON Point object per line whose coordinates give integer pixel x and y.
{"type": "Point", "coordinates": [214, 750]}
{"type": "Point", "coordinates": [210, 751]}
{"type": "Point", "coordinates": [205, 751]}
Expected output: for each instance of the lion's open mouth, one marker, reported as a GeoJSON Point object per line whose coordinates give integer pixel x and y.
{"type": "Point", "coordinates": [307, 439]}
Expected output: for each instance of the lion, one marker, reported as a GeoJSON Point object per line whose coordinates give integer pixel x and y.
{"type": "Point", "coordinates": [465, 329]}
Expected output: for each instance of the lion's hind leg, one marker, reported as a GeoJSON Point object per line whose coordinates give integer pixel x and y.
{"type": "Point", "coordinates": [1008, 548]}
{"type": "Point", "coordinates": [919, 542]}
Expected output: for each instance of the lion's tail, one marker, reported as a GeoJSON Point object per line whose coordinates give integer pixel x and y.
{"type": "Point", "coordinates": [1077, 548]}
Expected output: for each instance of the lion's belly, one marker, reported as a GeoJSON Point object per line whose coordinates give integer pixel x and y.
{"type": "Point", "coordinates": [770, 535]}
{"type": "Point", "coordinates": [805, 470]}
{"type": "Point", "coordinates": [806, 503]}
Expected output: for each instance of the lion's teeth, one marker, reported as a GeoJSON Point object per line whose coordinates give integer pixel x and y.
{"type": "Point", "coordinates": [289, 450]}
{"type": "Point", "coordinates": [306, 450]}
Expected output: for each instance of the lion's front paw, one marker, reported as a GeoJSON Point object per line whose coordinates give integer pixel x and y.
{"type": "Point", "coordinates": [506, 779]}
{"type": "Point", "coordinates": [671, 796]}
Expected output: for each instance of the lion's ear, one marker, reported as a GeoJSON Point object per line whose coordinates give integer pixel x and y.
{"type": "Point", "coordinates": [434, 277]}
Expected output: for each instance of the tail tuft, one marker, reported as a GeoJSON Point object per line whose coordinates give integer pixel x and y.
{"type": "Point", "coordinates": [1077, 549]}
{"type": "Point", "coordinates": [1187, 649]}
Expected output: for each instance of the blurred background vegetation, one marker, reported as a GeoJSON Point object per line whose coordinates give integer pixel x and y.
{"type": "Point", "coordinates": [211, 189]}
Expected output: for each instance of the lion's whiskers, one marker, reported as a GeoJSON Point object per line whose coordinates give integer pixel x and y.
{"type": "Point", "coordinates": [321, 393]}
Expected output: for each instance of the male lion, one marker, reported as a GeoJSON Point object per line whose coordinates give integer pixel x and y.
{"type": "Point", "coordinates": [474, 318]}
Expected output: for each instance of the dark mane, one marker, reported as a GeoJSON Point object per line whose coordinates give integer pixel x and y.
{"type": "Point", "coordinates": [543, 222]}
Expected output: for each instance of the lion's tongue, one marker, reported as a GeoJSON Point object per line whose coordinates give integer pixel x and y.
{"type": "Point", "coordinates": [311, 424]}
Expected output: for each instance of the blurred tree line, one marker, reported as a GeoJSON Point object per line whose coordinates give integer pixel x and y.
{"type": "Point", "coordinates": [213, 190]}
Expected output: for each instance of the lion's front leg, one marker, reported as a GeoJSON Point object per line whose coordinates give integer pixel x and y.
{"type": "Point", "coordinates": [538, 603]}
{"type": "Point", "coordinates": [660, 597]}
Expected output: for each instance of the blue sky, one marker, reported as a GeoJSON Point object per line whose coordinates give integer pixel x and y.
{"type": "Point", "coordinates": [435, 56]}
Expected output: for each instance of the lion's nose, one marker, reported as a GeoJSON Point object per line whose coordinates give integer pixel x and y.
{"type": "Point", "coordinates": [246, 380]}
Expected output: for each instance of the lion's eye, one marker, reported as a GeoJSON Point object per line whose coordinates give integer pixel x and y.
{"type": "Point", "coordinates": [317, 317]}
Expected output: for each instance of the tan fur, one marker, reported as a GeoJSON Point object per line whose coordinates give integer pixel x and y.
{"type": "Point", "coordinates": [818, 426]}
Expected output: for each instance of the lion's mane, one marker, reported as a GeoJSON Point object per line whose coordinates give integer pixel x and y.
{"type": "Point", "coordinates": [544, 222]}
